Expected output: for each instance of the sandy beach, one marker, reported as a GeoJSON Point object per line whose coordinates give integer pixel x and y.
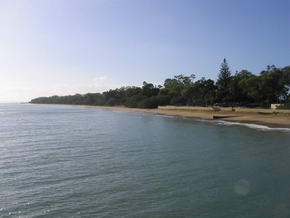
{"type": "Point", "coordinates": [271, 118]}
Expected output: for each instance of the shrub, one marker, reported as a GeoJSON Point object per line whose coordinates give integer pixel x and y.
{"type": "Point", "coordinates": [134, 101]}
{"type": "Point", "coordinates": [112, 102]}
{"type": "Point", "coordinates": [178, 101]}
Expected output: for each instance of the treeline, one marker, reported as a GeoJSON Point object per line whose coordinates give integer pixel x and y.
{"type": "Point", "coordinates": [241, 89]}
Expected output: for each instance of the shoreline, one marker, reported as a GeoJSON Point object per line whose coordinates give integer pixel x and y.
{"type": "Point", "coordinates": [250, 116]}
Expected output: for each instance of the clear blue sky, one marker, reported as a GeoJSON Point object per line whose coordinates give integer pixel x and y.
{"type": "Point", "coordinates": [68, 46]}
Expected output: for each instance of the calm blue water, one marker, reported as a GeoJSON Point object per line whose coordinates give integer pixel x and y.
{"type": "Point", "coordinates": [65, 161]}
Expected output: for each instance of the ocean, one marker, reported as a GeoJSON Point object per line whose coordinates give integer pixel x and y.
{"type": "Point", "coordinates": [68, 161]}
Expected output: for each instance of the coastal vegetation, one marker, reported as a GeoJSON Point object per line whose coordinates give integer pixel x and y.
{"type": "Point", "coordinates": [240, 89]}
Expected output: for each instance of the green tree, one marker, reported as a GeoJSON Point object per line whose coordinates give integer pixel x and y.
{"type": "Point", "coordinates": [148, 89]}
{"type": "Point", "coordinates": [178, 88]}
{"type": "Point", "coordinates": [238, 95]}
{"type": "Point", "coordinates": [223, 83]}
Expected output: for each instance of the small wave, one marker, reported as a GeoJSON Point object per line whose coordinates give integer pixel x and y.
{"type": "Point", "coordinates": [166, 116]}
{"type": "Point", "coordinates": [252, 126]}
{"type": "Point", "coordinates": [3, 113]}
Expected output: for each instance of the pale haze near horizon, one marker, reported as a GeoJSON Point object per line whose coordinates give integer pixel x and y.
{"type": "Point", "coordinates": [60, 47]}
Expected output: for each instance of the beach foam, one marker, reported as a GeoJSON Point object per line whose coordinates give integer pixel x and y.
{"type": "Point", "coordinates": [252, 126]}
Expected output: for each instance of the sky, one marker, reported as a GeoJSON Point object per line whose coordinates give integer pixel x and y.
{"type": "Point", "coordinates": [61, 47]}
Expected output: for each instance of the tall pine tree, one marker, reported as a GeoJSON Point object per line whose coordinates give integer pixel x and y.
{"type": "Point", "coordinates": [224, 83]}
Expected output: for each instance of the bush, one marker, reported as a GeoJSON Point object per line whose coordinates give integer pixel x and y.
{"type": "Point", "coordinates": [154, 101]}
{"type": "Point", "coordinates": [178, 101]}
{"type": "Point", "coordinates": [162, 100]}
{"type": "Point", "coordinates": [148, 103]}
{"type": "Point", "coordinates": [134, 101]}
{"type": "Point", "coordinates": [112, 102]}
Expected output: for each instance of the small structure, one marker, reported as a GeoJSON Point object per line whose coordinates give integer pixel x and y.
{"type": "Point", "coordinates": [216, 109]}
{"type": "Point", "coordinates": [275, 106]}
